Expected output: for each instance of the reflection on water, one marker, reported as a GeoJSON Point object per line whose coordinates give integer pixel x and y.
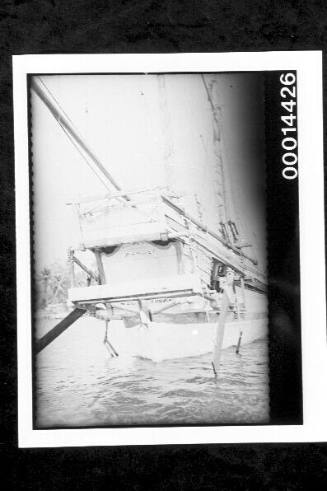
{"type": "Point", "coordinates": [77, 384]}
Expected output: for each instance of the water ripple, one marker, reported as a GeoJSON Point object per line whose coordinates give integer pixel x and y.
{"type": "Point", "coordinates": [94, 390]}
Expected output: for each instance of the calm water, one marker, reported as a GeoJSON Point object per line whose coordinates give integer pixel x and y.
{"type": "Point", "coordinates": [77, 384]}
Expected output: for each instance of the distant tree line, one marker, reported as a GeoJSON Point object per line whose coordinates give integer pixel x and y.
{"type": "Point", "coordinates": [52, 284]}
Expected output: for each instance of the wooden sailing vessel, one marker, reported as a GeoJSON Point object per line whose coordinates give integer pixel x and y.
{"type": "Point", "coordinates": [166, 284]}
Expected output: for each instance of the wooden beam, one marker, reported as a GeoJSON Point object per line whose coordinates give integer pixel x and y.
{"type": "Point", "coordinates": [58, 329]}
{"type": "Point", "coordinates": [46, 97]}
{"type": "Point", "coordinates": [102, 275]}
{"type": "Point", "coordinates": [219, 335]}
{"type": "Point", "coordinates": [179, 254]}
{"type": "Point", "coordinates": [205, 229]}
{"type": "Point", "coordinates": [85, 268]}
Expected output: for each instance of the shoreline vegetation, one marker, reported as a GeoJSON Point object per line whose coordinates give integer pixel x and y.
{"type": "Point", "coordinates": [51, 286]}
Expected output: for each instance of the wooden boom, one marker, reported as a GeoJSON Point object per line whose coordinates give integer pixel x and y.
{"type": "Point", "coordinates": [59, 115]}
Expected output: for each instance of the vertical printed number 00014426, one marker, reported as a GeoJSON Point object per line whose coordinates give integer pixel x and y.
{"type": "Point", "coordinates": [289, 142]}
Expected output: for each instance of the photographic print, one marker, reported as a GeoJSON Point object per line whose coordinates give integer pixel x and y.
{"type": "Point", "coordinates": [149, 239]}
{"type": "Point", "coordinates": [153, 193]}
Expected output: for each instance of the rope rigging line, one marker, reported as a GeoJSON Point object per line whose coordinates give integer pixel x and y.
{"type": "Point", "coordinates": [217, 151]}
{"type": "Point", "coordinates": [231, 206]}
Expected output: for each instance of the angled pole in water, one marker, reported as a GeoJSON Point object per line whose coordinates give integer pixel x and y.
{"type": "Point", "coordinates": [220, 331]}
{"type": "Point", "coordinates": [58, 329]}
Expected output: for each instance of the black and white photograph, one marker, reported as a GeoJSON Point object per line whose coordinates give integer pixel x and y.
{"type": "Point", "coordinates": [153, 245]}
{"type": "Point", "coordinates": [149, 240]}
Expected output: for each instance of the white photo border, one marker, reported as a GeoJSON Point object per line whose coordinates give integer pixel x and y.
{"type": "Point", "coordinates": [308, 65]}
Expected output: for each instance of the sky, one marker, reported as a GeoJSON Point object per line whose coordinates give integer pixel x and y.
{"type": "Point", "coordinates": [147, 130]}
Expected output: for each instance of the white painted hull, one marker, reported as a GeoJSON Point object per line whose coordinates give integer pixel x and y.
{"type": "Point", "coordinates": [169, 340]}
{"type": "Point", "coordinates": [161, 341]}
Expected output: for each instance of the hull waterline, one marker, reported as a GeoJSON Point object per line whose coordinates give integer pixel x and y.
{"type": "Point", "coordinates": [162, 341]}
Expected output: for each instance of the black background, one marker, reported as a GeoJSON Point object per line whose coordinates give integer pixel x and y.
{"type": "Point", "coordinates": [283, 267]}
{"type": "Point", "coordinates": [50, 26]}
